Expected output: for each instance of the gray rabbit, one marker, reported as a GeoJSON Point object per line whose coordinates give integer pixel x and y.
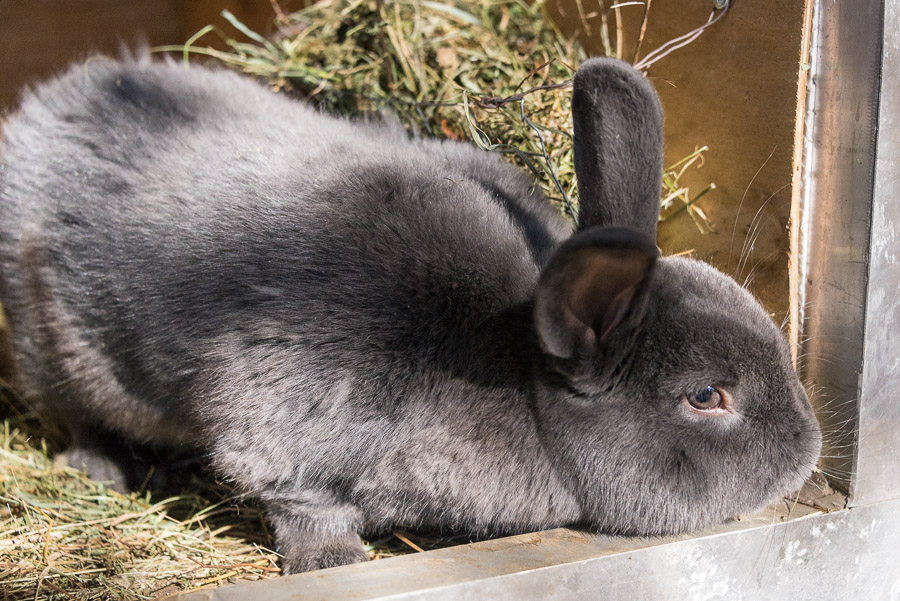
{"type": "Point", "coordinates": [368, 331]}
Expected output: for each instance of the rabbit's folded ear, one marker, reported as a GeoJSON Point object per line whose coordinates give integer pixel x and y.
{"type": "Point", "coordinates": [618, 147]}
{"type": "Point", "coordinates": [589, 286]}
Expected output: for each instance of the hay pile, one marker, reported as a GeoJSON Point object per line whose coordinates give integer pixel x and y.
{"type": "Point", "coordinates": [495, 72]}
{"type": "Point", "coordinates": [64, 536]}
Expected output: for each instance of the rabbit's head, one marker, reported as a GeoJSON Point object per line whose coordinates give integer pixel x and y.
{"type": "Point", "coordinates": [668, 394]}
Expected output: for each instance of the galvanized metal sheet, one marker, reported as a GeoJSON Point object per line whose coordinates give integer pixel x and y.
{"type": "Point", "coordinates": [840, 555]}
{"type": "Point", "coordinates": [877, 476]}
{"type": "Point", "coordinates": [838, 172]}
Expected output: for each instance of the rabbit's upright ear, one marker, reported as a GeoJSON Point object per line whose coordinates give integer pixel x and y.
{"type": "Point", "coordinates": [618, 146]}
{"type": "Point", "coordinates": [590, 285]}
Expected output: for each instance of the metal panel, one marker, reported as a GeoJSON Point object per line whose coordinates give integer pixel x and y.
{"type": "Point", "coordinates": [849, 554]}
{"type": "Point", "coordinates": [877, 474]}
{"type": "Point", "coordinates": [839, 165]}
{"type": "Point", "coordinates": [848, 244]}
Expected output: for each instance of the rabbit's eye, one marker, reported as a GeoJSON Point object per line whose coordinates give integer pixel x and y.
{"type": "Point", "coordinates": [706, 400]}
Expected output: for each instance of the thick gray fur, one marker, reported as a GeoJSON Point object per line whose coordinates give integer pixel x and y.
{"type": "Point", "coordinates": [368, 331]}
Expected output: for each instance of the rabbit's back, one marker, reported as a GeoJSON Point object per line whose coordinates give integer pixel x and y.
{"type": "Point", "coordinates": [156, 218]}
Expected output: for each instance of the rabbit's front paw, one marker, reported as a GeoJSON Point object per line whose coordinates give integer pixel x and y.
{"type": "Point", "coordinates": [313, 536]}
{"type": "Point", "coordinates": [96, 464]}
{"type": "Point", "coordinates": [308, 552]}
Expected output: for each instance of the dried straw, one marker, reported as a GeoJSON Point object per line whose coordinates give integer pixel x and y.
{"type": "Point", "coordinates": [495, 72]}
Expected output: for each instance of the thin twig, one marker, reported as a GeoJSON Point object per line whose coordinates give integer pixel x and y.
{"type": "Point", "coordinates": [411, 544]}
{"type": "Point", "coordinates": [689, 203]}
{"type": "Point", "coordinates": [683, 40]}
{"type": "Point", "coordinates": [637, 47]}
{"type": "Point", "coordinates": [550, 171]}
{"type": "Point", "coordinates": [620, 32]}
{"type": "Point", "coordinates": [282, 18]}
{"type": "Point", "coordinates": [234, 566]}
{"type": "Point", "coordinates": [492, 102]}
{"type": "Point", "coordinates": [604, 29]}
{"type": "Point", "coordinates": [584, 22]}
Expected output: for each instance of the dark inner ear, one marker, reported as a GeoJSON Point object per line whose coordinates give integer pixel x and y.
{"type": "Point", "coordinates": [588, 288]}
{"type": "Point", "coordinates": [604, 286]}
